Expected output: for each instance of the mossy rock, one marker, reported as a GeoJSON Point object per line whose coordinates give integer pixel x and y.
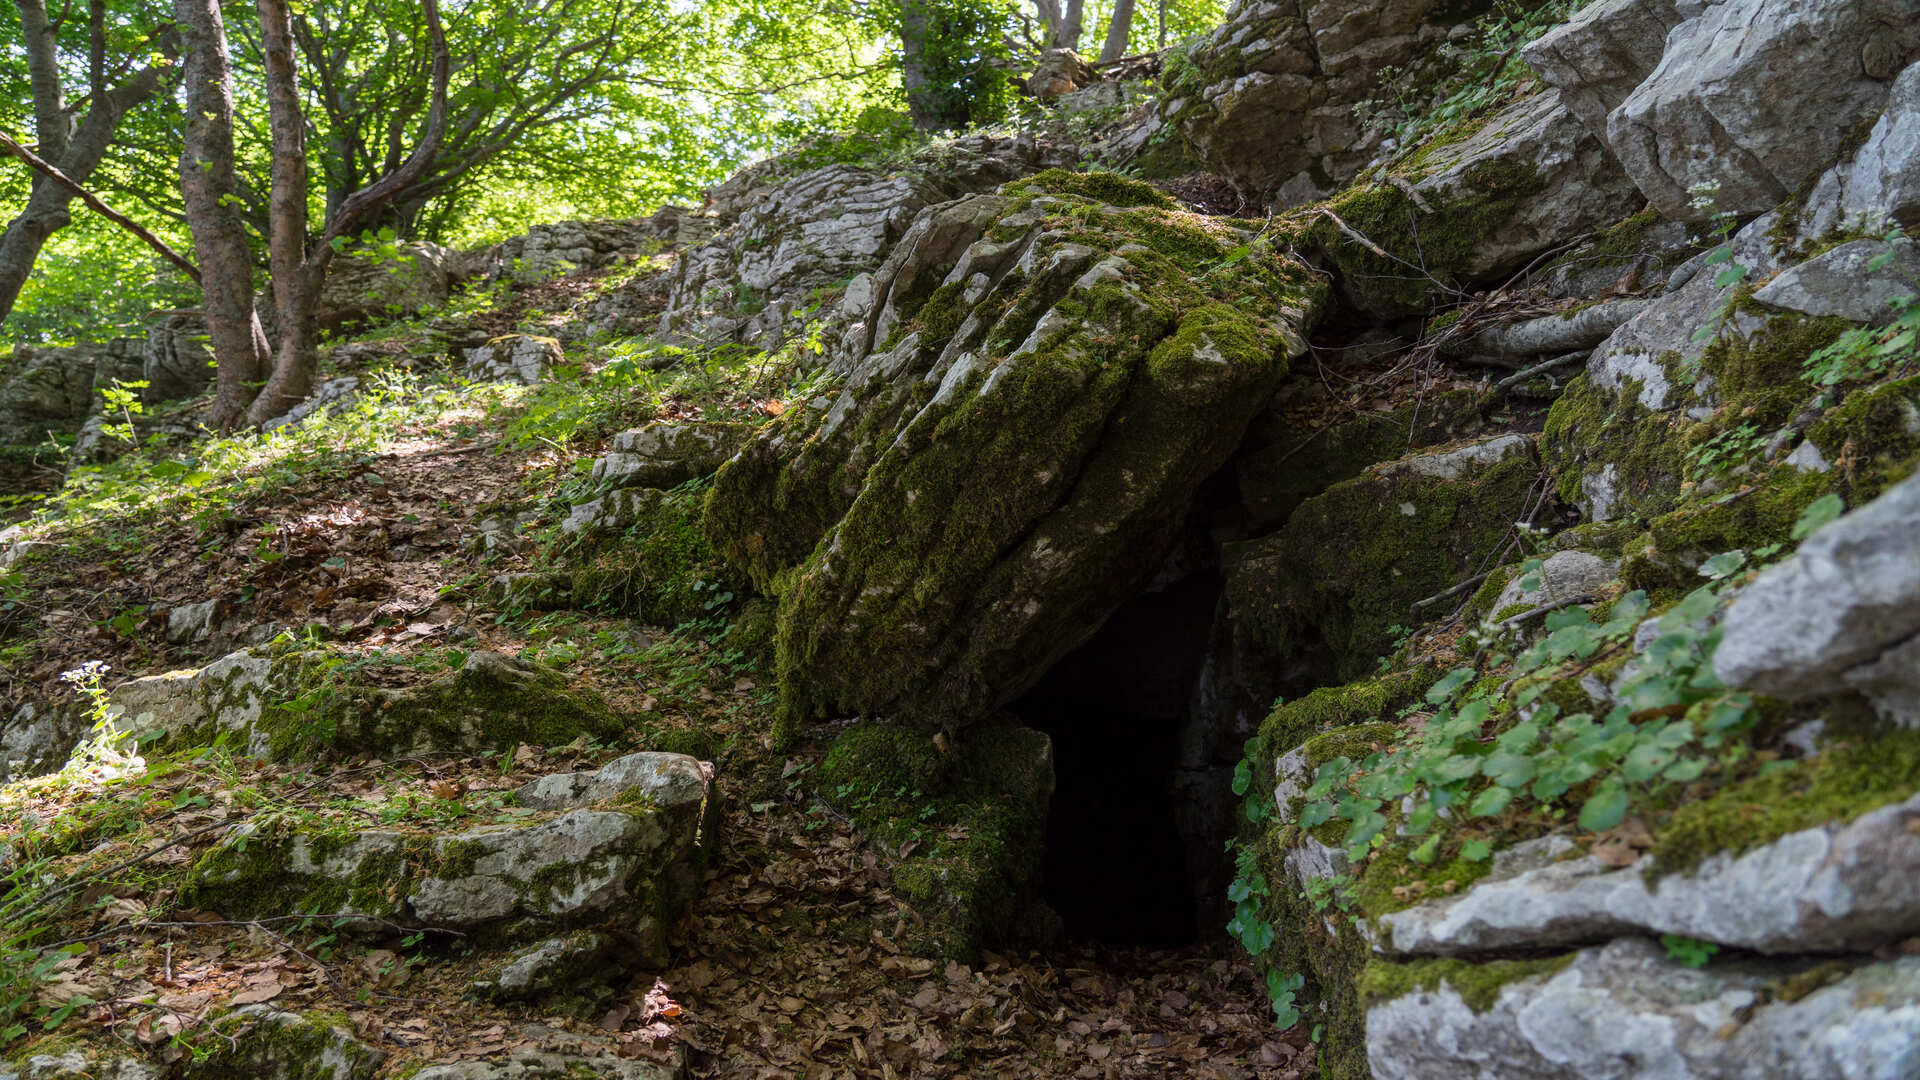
{"type": "Point", "coordinates": [1668, 556]}
{"type": "Point", "coordinates": [1873, 436]}
{"type": "Point", "coordinates": [972, 817]}
{"type": "Point", "coordinates": [1049, 379]}
{"type": "Point", "coordinates": [1277, 479]}
{"type": "Point", "coordinates": [260, 1043]}
{"type": "Point", "coordinates": [1478, 984]}
{"type": "Point", "coordinates": [1349, 564]}
{"type": "Point", "coordinates": [661, 569]}
{"type": "Point", "coordinates": [490, 702]}
{"type": "Point", "coordinates": [1332, 707]}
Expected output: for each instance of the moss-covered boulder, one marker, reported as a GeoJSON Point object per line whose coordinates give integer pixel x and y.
{"type": "Point", "coordinates": [968, 819]}
{"type": "Point", "coordinates": [658, 566]}
{"type": "Point", "coordinates": [626, 854]}
{"type": "Point", "coordinates": [1295, 467]}
{"type": "Point", "coordinates": [1471, 205]}
{"type": "Point", "coordinates": [259, 1042]}
{"type": "Point", "coordinates": [294, 705]}
{"type": "Point", "coordinates": [1349, 564]}
{"type": "Point", "coordinates": [1042, 382]}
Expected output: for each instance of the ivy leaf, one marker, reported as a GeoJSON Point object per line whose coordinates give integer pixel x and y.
{"type": "Point", "coordinates": [1644, 763]}
{"type": "Point", "coordinates": [1476, 851]}
{"type": "Point", "coordinates": [1509, 770]}
{"type": "Point", "coordinates": [1242, 777]}
{"type": "Point", "coordinates": [1428, 851]}
{"type": "Point", "coordinates": [1723, 565]}
{"type": "Point", "coordinates": [1491, 801]}
{"type": "Point", "coordinates": [1316, 813]}
{"type": "Point", "coordinates": [1449, 685]}
{"type": "Point", "coordinates": [1683, 772]}
{"type": "Point", "coordinates": [1818, 515]}
{"type": "Point", "coordinates": [1604, 809]}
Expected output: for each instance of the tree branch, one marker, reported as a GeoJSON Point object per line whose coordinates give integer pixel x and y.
{"type": "Point", "coordinates": [45, 169]}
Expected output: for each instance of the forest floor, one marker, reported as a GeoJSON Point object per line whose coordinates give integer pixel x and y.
{"type": "Point", "coordinates": [364, 530]}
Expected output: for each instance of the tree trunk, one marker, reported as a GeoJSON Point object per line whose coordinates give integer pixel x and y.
{"type": "Point", "coordinates": [1162, 27]}
{"type": "Point", "coordinates": [75, 152]}
{"type": "Point", "coordinates": [1118, 31]}
{"type": "Point", "coordinates": [206, 189]}
{"type": "Point", "coordinates": [923, 98]}
{"type": "Point", "coordinates": [1067, 34]}
{"type": "Point", "coordinates": [295, 282]}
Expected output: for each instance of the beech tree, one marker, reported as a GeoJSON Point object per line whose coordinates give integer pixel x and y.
{"type": "Point", "coordinates": [123, 71]}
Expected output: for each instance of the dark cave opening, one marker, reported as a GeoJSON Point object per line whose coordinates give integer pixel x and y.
{"type": "Point", "coordinates": [1118, 865]}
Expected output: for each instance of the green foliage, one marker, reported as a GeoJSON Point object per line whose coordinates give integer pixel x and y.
{"type": "Point", "coordinates": [1868, 352]}
{"type": "Point", "coordinates": [1474, 76]}
{"type": "Point", "coordinates": [1489, 753]}
{"type": "Point", "coordinates": [1690, 952]}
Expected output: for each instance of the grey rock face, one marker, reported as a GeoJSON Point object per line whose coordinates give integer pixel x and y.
{"type": "Point", "coordinates": [666, 453]}
{"type": "Point", "coordinates": [55, 388]}
{"type": "Point", "coordinates": [1602, 53]}
{"type": "Point", "coordinates": [521, 358]}
{"type": "Point", "coordinates": [1267, 98]}
{"type": "Point", "coordinates": [1577, 187]}
{"type": "Point", "coordinates": [266, 1043]}
{"type": "Point", "coordinates": [81, 1065]}
{"type": "Point", "coordinates": [1843, 282]}
{"type": "Point", "coordinates": [556, 965]}
{"type": "Point", "coordinates": [542, 1065]}
{"type": "Point", "coordinates": [1563, 574]}
{"type": "Point", "coordinates": [1624, 1012]}
{"type": "Point", "coordinates": [820, 228]}
{"type": "Point", "coordinates": [229, 694]}
{"type": "Point", "coordinates": [363, 288]}
{"type": "Point", "coordinates": [1838, 613]}
{"type": "Point", "coordinates": [1736, 101]}
{"type": "Point", "coordinates": [611, 512]}
{"type": "Point", "coordinates": [1881, 182]}
{"type": "Point", "coordinates": [1837, 887]}
{"type": "Point", "coordinates": [177, 361]}
{"type": "Point", "coordinates": [665, 779]}
{"type": "Point", "coordinates": [564, 246]}
{"type": "Point", "coordinates": [331, 392]}
{"type": "Point", "coordinates": [38, 738]}
{"type": "Point", "coordinates": [628, 869]}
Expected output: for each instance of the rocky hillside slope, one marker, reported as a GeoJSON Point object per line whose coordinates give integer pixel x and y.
{"type": "Point", "coordinates": [1499, 537]}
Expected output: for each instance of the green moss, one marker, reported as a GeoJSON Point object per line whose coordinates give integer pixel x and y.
{"type": "Point", "coordinates": [974, 815]}
{"type": "Point", "coordinates": [1677, 542]}
{"type": "Point", "coordinates": [1101, 186]}
{"type": "Point", "coordinates": [1770, 358]}
{"type": "Point", "coordinates": [1422, 247]}
{"type": "Point", "coordinates": [1393, 881]}
{"type": "Point", "coordinates": [663, 569]}
{"type": "Point", "coordinates": [1845, 780]}
{"type": "Point", "coordinates": [1589, 428]}
{"type": "Point", "coordinates": [1628, 237]}
{"type": "Point", "coordinates": [482, 705]}
{"type": "Point", "coordinates": [1479, 984]}
{"type": "Point", "coordinates": [1873, 437]}
{"type": "Point", "coordinates": [1275, 480]}
{"type": "Point", "coordinates": [1332, 707]}
{"type": "Point", "coordinates": [1350, 563]}
{"type": "Point", "coordinates": [323, 1045]}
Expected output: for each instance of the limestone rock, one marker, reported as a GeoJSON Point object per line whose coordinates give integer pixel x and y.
{"type": "Point", "coordinates": [647, 777]}
{"type": "Point", "coordinates": [1624, 1012]}
{"type": "Point", "coordinates": [53, 389]}
{"type": "Point", "coordinates": [1348, 564]}
{"type": "Point", "coordinates": [177, 361]}
{"type": "Point", "coordinates": [331, 392]}
{"type": "Point", "coordinates": [1562, 574]}
{"type": "Point", "coordinates": [229, 695]}
{"type": "Point", "coordinates": [1061, 72]}
{"type": "Point", "coordinates": [81, 1064]}
{"type": "Point", "coordinates": [364, 287]}
{"type": "Point", "coordinates": [1881, 181]}
{"type": "Point", "coordinates": [611, 512]}
{"type": "Point", "coordinates": [1838, 887]}
{"type": "Point", "coordinates": [1842, 282]}
{"type": "Point", "coordinates": [521, 358]}
{"type": "Point", "coordinates": [628, 869]}
{"type": "Point", "coordinates": [564, 965]}
{"type": "Point", "coordinates": [816, 230]}
{"type": "Point", "coordinates": [192, 622]}
{"type": "Point", "coordinates": [666, 453]}
{"type": "Point", "coordinates": [548, 251]}
{"type": "Point", "coordinates": [546, 1065]}
{"type": "Point", "coordinates": [1021, 418]}
{"type": "Point", "coordinates": [1733, 101]}
{"type": "Point", "coordinates": [1601, 54]}
{"type": "Point", "coordinates": [38, 738]}
{"type": "Point", "coordinates": [1475, 209]}
{"type": "Point", "coordinates": [269, 1044]}
{"type": "Point", "coordinates": [1848, 600]}
{"type": "Point", "coordinates": [1267, 99]}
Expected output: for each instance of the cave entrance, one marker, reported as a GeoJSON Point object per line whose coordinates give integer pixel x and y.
{"type": "Point", "coordinates": [1119, 865]}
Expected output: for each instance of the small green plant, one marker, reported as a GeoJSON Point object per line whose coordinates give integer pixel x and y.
{"type": "Point", "coordinates": [123, 397]}
{"type": "Point", "coordinates": [1870, 352]}
{"type": "Point", "coordinates": [1692, 952]}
